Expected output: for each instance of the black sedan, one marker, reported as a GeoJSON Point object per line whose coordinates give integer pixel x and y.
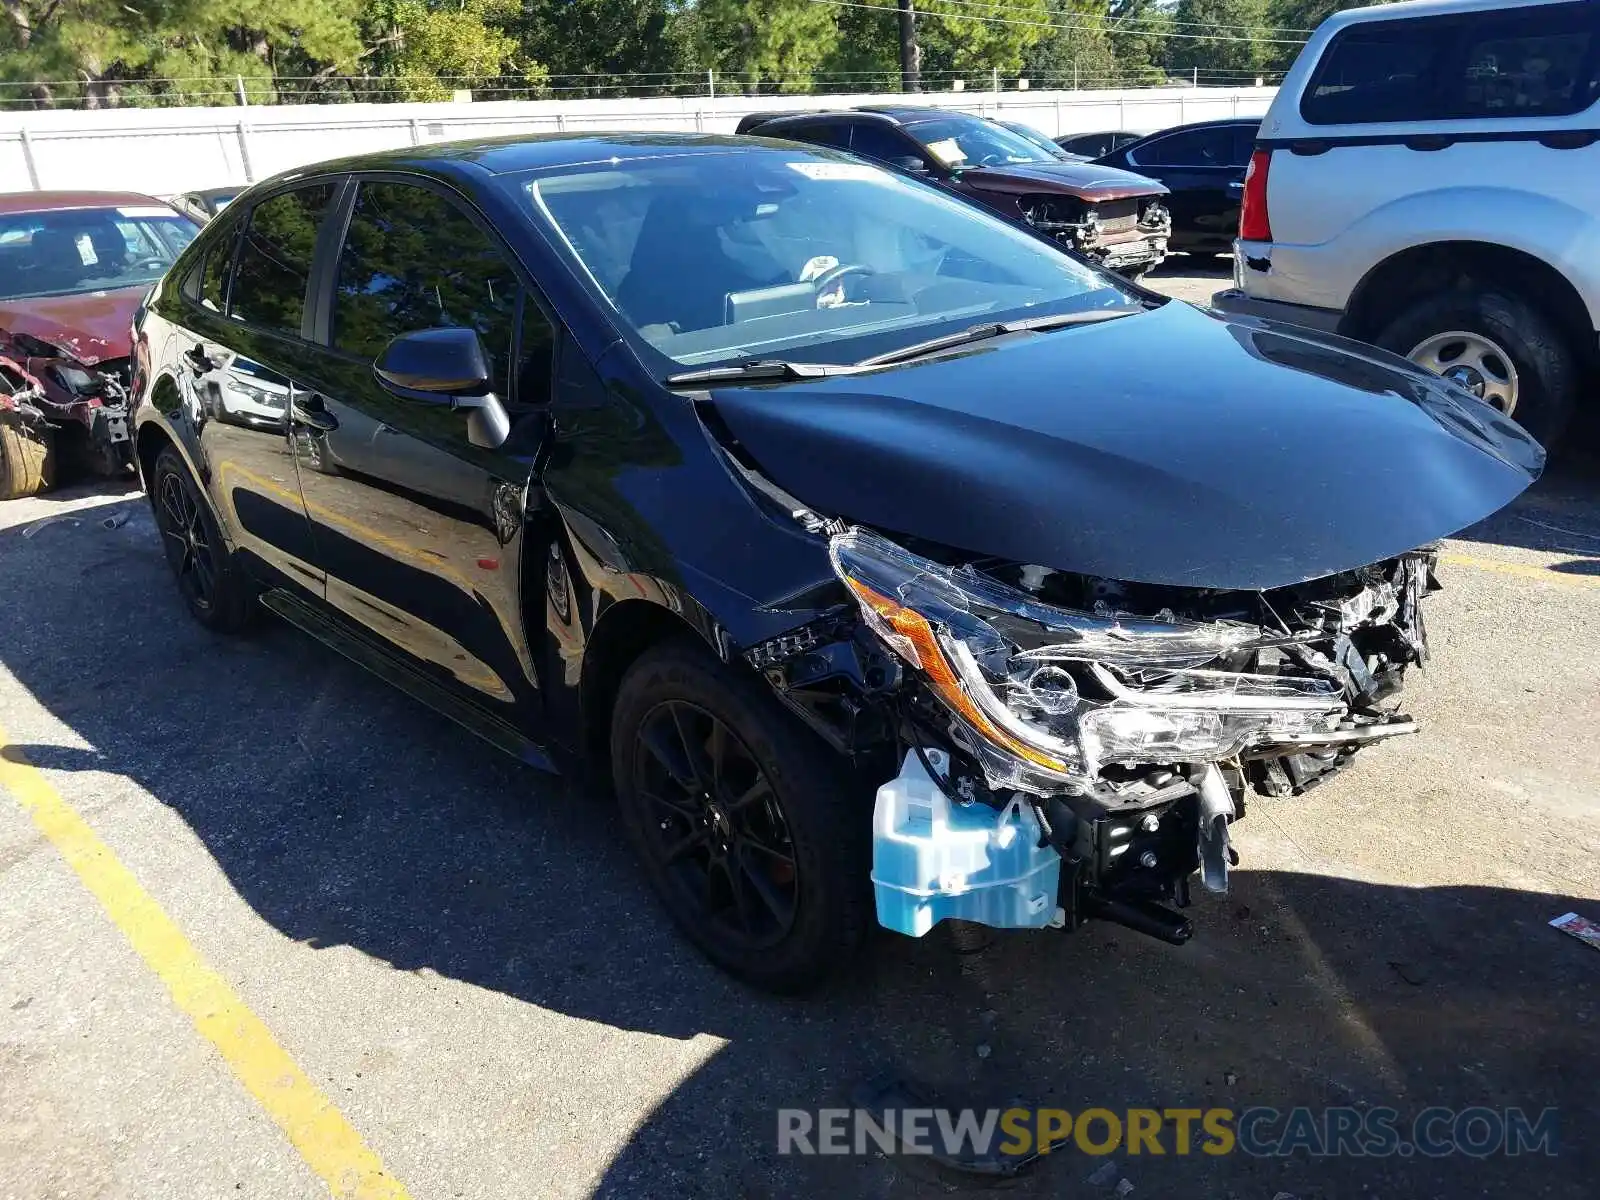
{"type": "Point", "coordinates": [1203, 165]}
{"type": "Point", "coordinates": [750, 480]}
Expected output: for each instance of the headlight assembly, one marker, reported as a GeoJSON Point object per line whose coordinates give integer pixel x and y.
{"type": "Point", "coordinates": [1050, 695]}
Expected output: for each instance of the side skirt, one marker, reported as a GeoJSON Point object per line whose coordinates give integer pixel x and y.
{"type": "Point", "coordinates": [366, 651]}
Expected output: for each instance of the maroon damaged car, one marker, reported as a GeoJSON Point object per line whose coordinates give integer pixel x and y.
{"type": "Point", "coordinates": [74, 268]}
{"type": "Point", "coordinates": [1117, 218]}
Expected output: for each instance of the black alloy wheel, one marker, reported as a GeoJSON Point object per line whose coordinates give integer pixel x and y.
{"type": "Point", "coordinates": [185, 541]}
{"type": "Point", "coordinates": [754, 833]}
{"type": "Point", "coordinates": [202, 565]}
{"type": "Point", "coordinates": [717, 827]}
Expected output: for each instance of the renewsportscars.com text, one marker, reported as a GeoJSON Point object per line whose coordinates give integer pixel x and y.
{"type": "Point", "coordinates": [1477, 1132]}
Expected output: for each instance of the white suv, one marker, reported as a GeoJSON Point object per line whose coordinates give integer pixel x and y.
{"type": "Point", "coordinates": [1428, 179]}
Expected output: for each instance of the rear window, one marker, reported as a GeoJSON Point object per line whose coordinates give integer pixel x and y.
{"type": "Point", "coordinates": [1526, 62]}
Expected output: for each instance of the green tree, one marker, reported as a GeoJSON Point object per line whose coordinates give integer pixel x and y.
{"type": "Point", "coordinates": [765, 45]}
{"type": "Point", "coordinates": [607, 47]}
{"type": "Point", "coordinates": [1078, 54]}
{"type": "Point", "coordinates": [966, 41]}
{"type": "Point", "coordinates": [1226, 38]}
{"type": "Point", "coordinates": [1140, 33]}
{"type": "Point", "coordinates": [434, 47]}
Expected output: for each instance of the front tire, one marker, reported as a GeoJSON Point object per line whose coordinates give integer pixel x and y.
{"type": "Point", "coordinates": [749, 829]}
{"type": "Point", "coordinates": [209, 580]}
{"type": "Point", "coordinates": [27, 456]}
{"type": "Point", "coordinates": [1499, 345]}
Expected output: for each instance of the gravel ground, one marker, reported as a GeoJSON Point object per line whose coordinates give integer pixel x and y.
{"type": "Point", "coordinates": [462, 956]}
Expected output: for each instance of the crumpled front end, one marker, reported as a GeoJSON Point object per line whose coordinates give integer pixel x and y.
{"type": "Point", "coordinates": [80, 410]}
{"type": "Point", "coordinates": [1126, 234]}
{"type": "Point", "coordinates": [1119, 724]}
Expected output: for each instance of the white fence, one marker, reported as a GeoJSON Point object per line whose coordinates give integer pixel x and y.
{"type": "Point", "coordinates": [165, 151]}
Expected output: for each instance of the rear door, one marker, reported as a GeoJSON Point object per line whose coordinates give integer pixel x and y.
{"type": "Point", "coordinates": [1204, 168]}
{"type": "Point", "coordinates": [242, 345]}
{"type": "Point", "coordinates": [419, 531]}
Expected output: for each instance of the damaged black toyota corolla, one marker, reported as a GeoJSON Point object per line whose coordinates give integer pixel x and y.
{"type": "Point", "coordinates": [870, 546]}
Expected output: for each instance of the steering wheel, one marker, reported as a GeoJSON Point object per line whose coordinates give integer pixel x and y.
{"type": "Point", "coordinates": [153, 263]}
{"type": "Point", "coordinates": [823, 283]}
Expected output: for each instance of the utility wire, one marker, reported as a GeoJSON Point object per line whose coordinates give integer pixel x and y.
{"type": "Point", "coordinates": [1197, 37]}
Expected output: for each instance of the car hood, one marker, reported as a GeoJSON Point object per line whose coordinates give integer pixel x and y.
{"type": "Point", "coordinates": [90, 327]}
{"type": "Point", "coordinates": [1170, 447]}
{"type": "Point", "coordinates": [1086, 178]}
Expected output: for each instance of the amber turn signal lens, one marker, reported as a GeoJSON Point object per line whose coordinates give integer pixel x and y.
{"type": "Point", "coordinates": [913, 627]}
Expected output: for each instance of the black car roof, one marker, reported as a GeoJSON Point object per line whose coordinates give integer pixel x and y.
{"type": "Point", "coordinates": [528, 151]}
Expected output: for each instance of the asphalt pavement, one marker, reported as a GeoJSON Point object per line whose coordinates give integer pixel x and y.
{"type": "Point", "coordinates": [385, 943]}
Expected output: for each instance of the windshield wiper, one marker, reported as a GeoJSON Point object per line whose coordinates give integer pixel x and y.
{"type": "Point", "coordinates": [979, 333]}
{"type": "Point", "coordinates": [763, 368]}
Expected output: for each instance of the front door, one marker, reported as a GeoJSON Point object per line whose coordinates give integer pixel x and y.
{"type": "Point", "coordinates": [419, 531]}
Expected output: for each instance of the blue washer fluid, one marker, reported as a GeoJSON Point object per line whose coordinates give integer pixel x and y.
{"type": "Point", "coordinates": [934, 857]}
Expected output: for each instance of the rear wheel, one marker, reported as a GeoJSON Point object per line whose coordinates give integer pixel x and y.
{"type": "Point", "coordinates": [210, 582]}
{"type": "Point", "coordinates": [27, 455]}
{"type": "Point", "coordinates": [1498, 345]}
{"type": "Point", "coordinates": [752, 835]}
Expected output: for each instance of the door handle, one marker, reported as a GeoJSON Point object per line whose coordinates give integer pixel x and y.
{"type": "Point", "coordinates": [311, 411]}
{"type": "Point", "coordinates": [1236, 186]}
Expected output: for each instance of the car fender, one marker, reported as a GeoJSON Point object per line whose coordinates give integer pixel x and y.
{"type": "Point", "coordinates": [1561, 235]}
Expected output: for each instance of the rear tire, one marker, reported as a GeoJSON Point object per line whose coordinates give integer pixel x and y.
{"type": "Point", "coordinates": [1546, 366]}
{"type": "Point", "coordinates": [775, 890]}
{"type": "Point", "coordinates": [210, 581]}
{"type": "Point", "coordinates": [27, 456]}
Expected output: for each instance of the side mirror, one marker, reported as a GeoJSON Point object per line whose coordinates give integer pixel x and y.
{"type": "Point", "coordinates": [910, 162]}
{"type": "Point", "coordinates": [446, 367]}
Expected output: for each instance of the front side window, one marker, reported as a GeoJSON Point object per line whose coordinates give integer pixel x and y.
{"type": "Point", "coordinates": [1525, 62]}
{"type": "Point", "coordinates": [76, 250]}
{"type": "Point", "coordinates": [413, 259]}
{"type": "Point", "coordinates": [962, 141]}
{"type": "Point", "coordinates": [718, 257]}
{"type": "Point", "coordinates": [280, 241]}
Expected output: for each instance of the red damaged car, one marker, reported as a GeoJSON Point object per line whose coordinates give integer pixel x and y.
{"type": "Point", "coordinates": [74, 268]}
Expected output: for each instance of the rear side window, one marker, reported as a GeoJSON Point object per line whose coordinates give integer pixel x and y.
{"type": "Point", "coordinates": [216, 270]}
{"type": "Point", "coordinates": [885, 145]}
{"type": "Point", "coordinates": [413, 259]}
{"type": "Point", "coordinates": [1211, 147]}
{"type": "Point", "coordinates": [822, 133]}
{"type": "Point", "coordinates": [269, 283]}
{"type": "Point", "coordinates": [1526, 62]}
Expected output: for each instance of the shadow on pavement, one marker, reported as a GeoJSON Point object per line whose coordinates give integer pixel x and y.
{"type": "Point", "coordinates": [345, 814]}
{"type": "Point", "coordinates": [1559, 515]}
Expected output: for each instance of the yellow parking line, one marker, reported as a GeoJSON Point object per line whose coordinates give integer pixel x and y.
{"type": "Point", "coordinates": [1524, 570]}
{"type": "Point", "coordinates": [319, 1131]}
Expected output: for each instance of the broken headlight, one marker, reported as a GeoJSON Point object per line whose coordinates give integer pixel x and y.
{"type": "Point", "coordinates": [1052, 695]}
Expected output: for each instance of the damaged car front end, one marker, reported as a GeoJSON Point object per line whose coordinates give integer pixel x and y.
{"type": "Point", "coordinates": [1133, 737]}
{"type": "Point", "coordinates": [1064, 574]}
{"type": "Point", "coordinates": [59, 409]}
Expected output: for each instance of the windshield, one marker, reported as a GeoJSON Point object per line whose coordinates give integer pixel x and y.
{"type": "Point", "coordinates": [1033, 136]}
{"type": "Point", "coordinates": [88, 249]}
{"type": "Point", "coordinates": [962, 141]}
{"type": "Point", "coordinates": [812, 256]}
